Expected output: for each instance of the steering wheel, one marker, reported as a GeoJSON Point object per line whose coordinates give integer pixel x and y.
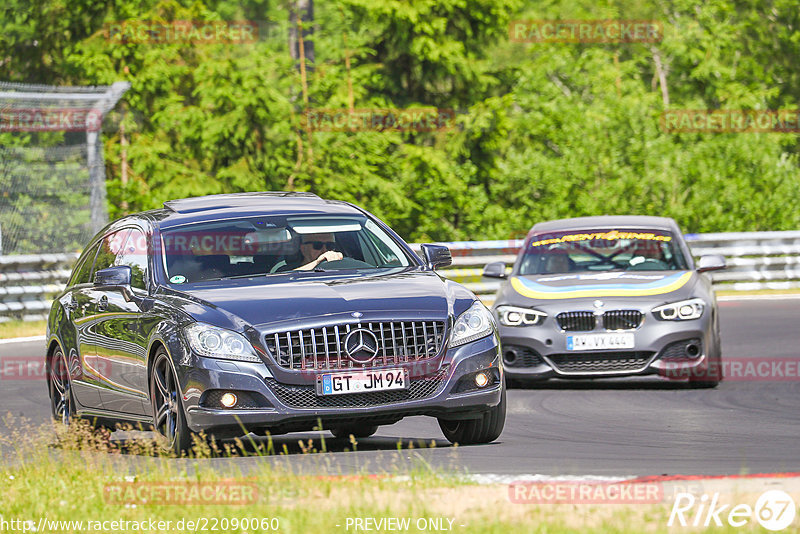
{"type": "Point", "coordinates": [345, 263]}
{"type": "Point", "coordinates": [609, 261]}
{"type": "Point", "coordinates": [649, 264]}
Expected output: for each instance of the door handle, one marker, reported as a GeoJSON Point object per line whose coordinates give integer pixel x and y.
{"type": "Point", "coordinates": [102, 303]}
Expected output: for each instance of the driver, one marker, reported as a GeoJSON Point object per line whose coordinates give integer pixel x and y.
{"type": "Point", "coordinates": [643, 252]}
{"type": "Point", "coordinates": [316, 248]}
{"type": "Point", "coordinates": [558, 261]}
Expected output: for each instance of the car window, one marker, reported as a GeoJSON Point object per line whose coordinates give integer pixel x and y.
{"type": "Point", "coordinates": [83, 271]}
{"type": "Point", "coordinates": [110, 247]}
{"type": "Point", "coordinates": [389, 252]}
{"type": "Point", "coordinates": [134, 254]}
{"type": "Point", "coordinates": [601, 250]}
{"type": "Point", "coordinates": [267, 245]}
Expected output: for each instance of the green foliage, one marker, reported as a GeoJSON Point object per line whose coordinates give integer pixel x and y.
{"type": "Point", "coordinates": [543, 130]}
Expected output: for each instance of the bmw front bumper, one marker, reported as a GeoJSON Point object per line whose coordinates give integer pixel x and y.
{"type": "Point", "coordinates": [673, 349]}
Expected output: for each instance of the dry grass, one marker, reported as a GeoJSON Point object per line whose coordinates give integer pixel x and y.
{"type": "Point", "coordinates": [65, 475]}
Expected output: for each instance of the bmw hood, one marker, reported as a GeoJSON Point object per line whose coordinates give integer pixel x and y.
{"type": "Point", "coordinates": [602, 284]}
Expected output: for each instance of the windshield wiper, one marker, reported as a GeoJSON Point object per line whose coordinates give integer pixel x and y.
{"type": "Point", "coordinates": [231, 277]}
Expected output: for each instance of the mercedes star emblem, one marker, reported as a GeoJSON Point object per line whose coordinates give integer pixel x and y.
{"type": "Point", "coordinates": [361, 345]}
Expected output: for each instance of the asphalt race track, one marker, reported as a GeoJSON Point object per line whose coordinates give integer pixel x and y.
{"type": "Point", "coordinates": [605, 428]}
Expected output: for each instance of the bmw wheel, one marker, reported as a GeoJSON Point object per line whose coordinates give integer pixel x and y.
{"type": "Point", "coordinates": [711, 376]}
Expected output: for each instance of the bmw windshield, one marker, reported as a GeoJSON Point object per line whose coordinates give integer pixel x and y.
{"type": "Point", "coordinates": [601, 250]}
{"type": "Point", "coordinates": [260, 246]}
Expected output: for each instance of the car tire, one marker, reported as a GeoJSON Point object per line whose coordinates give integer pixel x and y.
{"type": "Point", "coordinates": [513, 383]}
{"type": "Point", "coordinates": [704, 382]}
{"type": "Point", "coordinates": [59, 383]}
{"type": "Point", "coordinates": [169, 418]}
{"type": "Point", "coordinates": [357, 431]}
{"type": "Point", "coordinates": [473, 431]}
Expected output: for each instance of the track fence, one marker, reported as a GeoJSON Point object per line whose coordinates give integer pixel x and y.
{"type": "Point", "coordinates": [756, 260]}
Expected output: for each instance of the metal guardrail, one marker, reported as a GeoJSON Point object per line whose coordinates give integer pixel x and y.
{"type": "Point", "coordinates": [29, 282]}
{"type": "Point", "coordinates": [756, 260]}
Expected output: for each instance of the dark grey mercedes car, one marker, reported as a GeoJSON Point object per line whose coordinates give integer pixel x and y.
{"type": "Point", "coordinates": [606, 296]}
{"type": "Point", "coordinates": [269, 312]}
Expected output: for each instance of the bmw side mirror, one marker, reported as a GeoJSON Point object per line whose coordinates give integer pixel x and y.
{"type": "Point", "coordinates": [496, 269]}
{"type": "Point", "coordinates": [437, 256]}
{"type": "Point", "coordinates": [711, 262]}
{"type": "Point", "coordinates": [111, 277]}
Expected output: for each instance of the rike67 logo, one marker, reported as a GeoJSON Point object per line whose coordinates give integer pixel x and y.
{"type": "Point", "coordinates": [774, 510]}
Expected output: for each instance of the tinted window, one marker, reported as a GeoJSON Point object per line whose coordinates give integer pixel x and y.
{"type": "Point", "coordinates": [387, 251]}
{"type": "Point", "coordinates": [602, 250]}
{"type": "Point", "coordinates": [110, 247]}
{"type": "Point", "coordinates": [82, 273]}
{"type": "Point", "coordinates": [270, 245]}
{"type": "Point", "coordinates": [134, 255]}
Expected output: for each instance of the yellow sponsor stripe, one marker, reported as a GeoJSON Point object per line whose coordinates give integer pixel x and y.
{"type": "Point", "coordinates": [520, 288]}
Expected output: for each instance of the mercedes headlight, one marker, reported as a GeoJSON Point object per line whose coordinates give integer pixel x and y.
{"type": "Point", "coordinates": [475, 323]}
{"type": "Point", "coordinates": [216, 342]}
{"type": "Point", "coordinates": [514, 316]}
{"type": "Point", "coordinates": [683, 310]}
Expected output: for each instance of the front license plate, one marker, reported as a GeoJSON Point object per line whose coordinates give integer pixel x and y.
{"type": "Point", "coordinates": [600, 341]}
{"type": "Point", "coordinates": [361, 381]}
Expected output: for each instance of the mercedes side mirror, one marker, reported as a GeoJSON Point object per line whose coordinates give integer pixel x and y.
{"type": "Point", "coordinates": [436, 256]}
{"type": "Point", "coordinates": [112, 277]}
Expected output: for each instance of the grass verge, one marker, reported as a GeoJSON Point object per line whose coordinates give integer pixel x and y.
{"type": "Point", "coordinates": [52, 478]}
{"type": "Point", "coordinates": [11, 329]}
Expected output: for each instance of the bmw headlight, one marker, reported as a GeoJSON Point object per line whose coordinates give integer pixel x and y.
{"type": "Point", "coordinates": [683, 310]}
{"type": "Point", "coordinates": [215, 342]}
{"type": "Point", "coordinates": [514, 316]}
{"type": "Point", "coordinates": [475, 323]}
